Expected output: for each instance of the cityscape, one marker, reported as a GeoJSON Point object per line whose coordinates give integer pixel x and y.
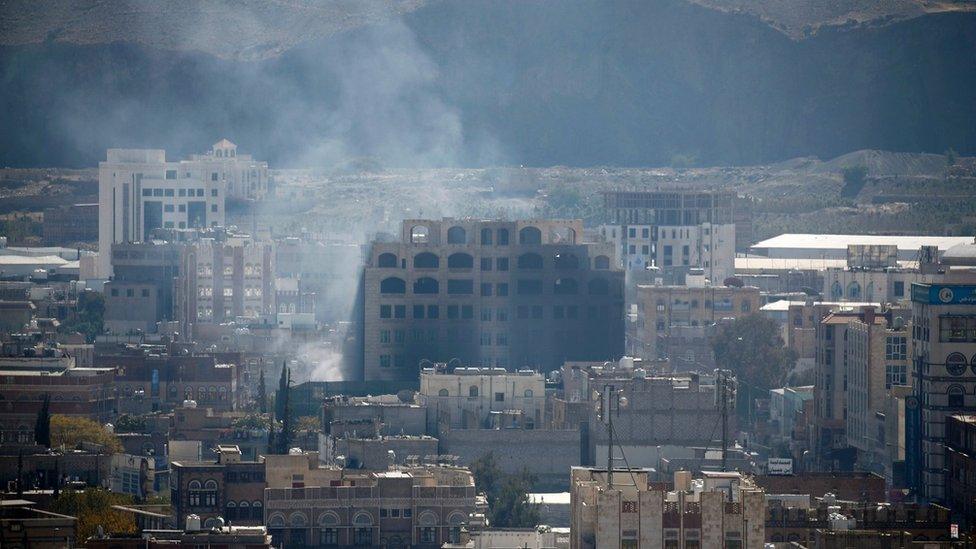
{"type": "Point", "coordinates": [250, 314]}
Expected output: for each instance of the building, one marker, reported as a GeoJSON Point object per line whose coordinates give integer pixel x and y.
{"type": "Point", "coordinates": [228, 488]}
{"type": "Point", "coordinates": [468, 398]}
{"type": "Point", "coordinates": [674, 322]}
{"type": "Point", "coordinates": [943, 346]}
{"type": "Point", "coordinates": [225, 536]}
{"type": "Point", "coordinates": [44, 469]}
{"type": "Point", "coordinates": [23, 525]}
{"type": "Point", "coordinates": [785, 404]}
{"type": "Point", "coordinates": [328, 270]}
{"type": "Point", "coordinates": [835, 246]}
{"type": "Point", "coordinates": [223, 278]}
{"type": "Point", "coordinates": [141, 293]}
{"type": "Point", "coordinates": [423, 506]}
{"type": "Point", "coordinates": [869, 523]}
{"type": "Point", "coordinates": [525, 294]}
{"type": "Point", "coordinates": [960, 445]}
{"type": "Point", "coordinates": [217, 429]}
{"type": "Point", "coordinates": [627, 510]}
{"type": "Point", "coordinates": [67, 225]}
{"type": "Point", "coordinates": [27, 381]}
{"type": "Point", "coordinates": [861, 356]}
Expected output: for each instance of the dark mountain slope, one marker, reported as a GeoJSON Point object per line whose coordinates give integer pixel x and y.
{"type": "Point", "coordinates": [534, 82]}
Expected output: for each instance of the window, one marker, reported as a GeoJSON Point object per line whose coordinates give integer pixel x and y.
{"type": "Point", "coordinates": [499, 397]}
{"type": "Point", "coordinates": [599, 286]}
{"type": "Point", "coordinates": [418, 311]}
{"type": "Point", "coordinates": [452, 312]}
{"type": "Point", "coordinates": [433, 311]}
{"type": "Point", "coordinates": [896, 348]}
{"type": "Point", "coordinates": [956, 396]}
{"type": "Point", "coordinates": [400, 311]}
{"type": "Point", "coordinates": [460, 261]}
{"type": "Point", "coordinates": [426, 260]}
{"type": "Point", "coordinates": [565, 286]}
{"type": "Point", "coordinates": [537, 312]}
{"type": "Point", "coordinates": [456, 235]}
{"type": "Point", "coordinates": [501, 263]}
{"type": "Point", "coordinates": [443, 393]}
{"type": "Point", "coordinates": [386, 260]}
{"type": "Point", "coordinates": [384, 361]}
{"type": "Point", "coordinates": [473, 391]}
{"type": "Point", "coordinates": [485, 339]}
{"type": "Point", "coordinates": [530, 235]}
{"type": "Point", "coordinates": [419, 234]}
{"type": "Point", "coordinates": [393, 285]}
{"type": "Point", "coordinates": [147, 192]}
{"type": "Point", "coordinates": [854, 290]}
{"type": "Point", "coordinates": [501, 339]}
{"type": "Point", "coordinates": [426, 285]}
{"type": "Point", "coordinates": [502, 289]}
{"type": "Point", "coordinates": [601, 262]}
{"type": "Point", "coordinates": [956, 364]}
{"type": "Point", "coordinates": [745, 306]}
{"type": "Point", "coordinates": [182, 207]}
{"type": "Point", "coordinates": [329, 536]}
{"type": "Point", "coordinates": [485, 314]}
{"type": "Point", "coordinates": [385, 311]}
{"type": "Point", "coordinates": [632, 232]}
{"type": "Point", "coordinates": [565, 261]}
{"type": "Point", "coordinates": [503, 237]}
{"type": "Point", "coordinates": [428, 534]}
{"type": "Point", "coordinates": [363, 536]}
{"type": "Point", "coordinates": [213, 192]}
{"type": "Point", "coordinates": [145, 292]}
{"type": "Point", "coordinates": [168, 208]}
{"type": "Point", "coordinates": [467, 312]}
{"type": "Point", "coordinates": [213, 207]}
{"type": "Point", "coordinates": [895, 374]}
{"type": "Point", "coordinates": [485, 263]}
{"type": "Point", "coordinates": [486, 237]}
{"type": "Point", "coordinates": [529, 261]}
{"type": "Point", "coordinates": [899, 288]}
{"type": "Point", "coordinates": [501, 315]}
{"type": "Point", "coordinates": [213, 176]}
{"type": "Point", "coordinates": [460, 287]}
{"type": "Point", "coordinates": [957, 329]}
{"type": "Point", "coordinates": [529, 287]}
{"type": "Point", "coordinates": [486, 289]}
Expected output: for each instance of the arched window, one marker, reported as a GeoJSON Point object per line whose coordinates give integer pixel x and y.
{"type": "Point", "coordinates": [298, 520]}
{"type": "Point", "coordinates": [210, 484]}
{"type": "Point", "coordinates": [329, 519]}
{"type": "Point", "coordinates": [393, 285]}
{"type": "Point", "coordinates": [426, 260]}
{"type": "Point", "coordinates": [566, 261]}
{"type": "Point", "coordinates": [460, 261]}
{"type": "Point", "coordinates": [420, 234]}
{"type": "Point", "coordinates": [193, 485]}
{"type": "Point", "coordinates": [836, 291]}
{"type": "Point", "coordinates": [957, 396]}
{"type": "Point", "coordinates": [601, 262]}
{"type": "Point", "coordinates": [529, 261]}
{"type": "Point", "coordinates": [562, 235]}
{"type": "Point", "coordinates": [473, 391]}
{"type": "Point", "coordinates": [486, 237]}
{"type": "Point", "coordinates": [503, 237]}
{"type": "Point", "coordinates": [854, 290]}
{"type": "Point", "coordinates": [565, 286]}
{"type": "Point", "coordinates": [276, 520]}
{"type": "Point", "coordinates": [427, 518]}
{"type": "Point", "coordinates": [457, 235]}
{"type": "Point", "coordinates": [869, 294]}
{"type": "Point", "coordinates": [443, 393]}
{"type": "Point", "coordinates": [530, 235]}
{"type": "Point", "coordinates": [362, 519]}
{"type": "Point", "coordinates": [599, 286]}
{"type": "Point", "coordinates": [426, 285]}
{"type": "Point", "coordinates": [528, 393]}
{"type": "Point", "coordinates": [387, 261]}
{"type": "Point", "coordinates": [956, 364]}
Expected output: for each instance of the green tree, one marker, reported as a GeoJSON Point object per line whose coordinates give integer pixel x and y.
{"type": "Point", "coordinates": [507, 495]}
{"type": "Point", "coordinates": [89, 317]}
{"type": "Point", "coordinates": [42, 427]}
{"type": "Point", "coordinates": [751, 346]}
{"type": "Point", "coordinates": [72, 431]}
{"type": "Point", "coordinates": [128, 423]}
{"type": "Point", "coordinates": [93, 508]}
{"type": "Point", "coordinates": [283, 404]}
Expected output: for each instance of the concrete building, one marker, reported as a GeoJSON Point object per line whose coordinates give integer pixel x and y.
{"type": "Point", "coordinates": [330, 271]}
{"type": "Point", "coordinates": [466, 398]}
{"type": "Point", "coordinates": [943, 348]}
{"type": "Point", "coordinates": [67, 225]}
{"type": "Point", "coordinates": [24, 525]}
{"type": "Point", "coordinates": [861, 356]}
{"type": "Point", "coordinates": [227, 488]}
{"type": "Point", "coordinates": [223, 278]}
{"type": "Point", "coordinates": [423, 506]}
{"type": "Point", "coordinates": [673, 321]}
{"type": "Point", "coordinates": [141, 293]}
{"type": "Point", "coordinates": [718, 510]}
{"type": "Point", "coordinates": [960, 443]}
{"type": "Point", "coordinates": [194, 536]}
{"type": "Point", "coordinates": [785, 404]}
{"type": "Point", "coordinates": [834, 246]}
{"type": "Point", "coordinates": [383, 415]}
{"type": "Point", "coordinates": [525, 294]}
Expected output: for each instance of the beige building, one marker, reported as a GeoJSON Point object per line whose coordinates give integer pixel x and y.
{"type": "Point", "coordinates": [669, 316]}
{"type": "Point", "coordinates": [466, 398]}
{"type": "Point", "coordinates": [424, 506]}
{"type": "Point", "coordinates": [719, 510]}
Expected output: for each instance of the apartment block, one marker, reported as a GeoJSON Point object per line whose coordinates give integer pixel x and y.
{"type": "Point", "coordinates": [228, 488]}
{"type": "Point", "coordinates": [141, 293]}
{"type": "Point", "coordinates": [467, 398]}
{"type": "Point", "coordinates": [67, 225]}
{"type": "Point", "coordinates": [628, 511]}
{"type": "Point", "coordinates": [672, 250]}
{"type": "Point", "coordinates": [944, 369]}
{"type": "Point", "coordinates": [525, 294]}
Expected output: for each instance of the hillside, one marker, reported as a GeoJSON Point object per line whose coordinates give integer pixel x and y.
{"type": "Point", "coordinates": [480, 82]}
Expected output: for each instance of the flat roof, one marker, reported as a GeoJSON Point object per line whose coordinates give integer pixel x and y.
{"type": "Point", "coordinates": [841, 241]}
{"type": "Point", "coordinates": [783, 305]}
{"type": "Point", "coordinates": [818, 264]}
{"type": "Point", "coordinates": [32, 260]}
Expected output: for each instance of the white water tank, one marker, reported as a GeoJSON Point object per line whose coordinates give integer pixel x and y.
{"type": "Point", "coordinates": [189, 404]}
{"type": "Point", "coordinates": [192, 523]}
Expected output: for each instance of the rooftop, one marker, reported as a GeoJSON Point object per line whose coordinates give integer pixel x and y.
{"type": "Point", "coordinates": [783, 305]}
{"type": "Point", "coordinates": [841, 241]}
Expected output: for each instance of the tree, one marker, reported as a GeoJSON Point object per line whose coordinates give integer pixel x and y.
{"type": "Point", "coordinates": [308, 423]}
{"type": "Point", "coordinates": [508, 495]}
{"type": "Point", "coordinates": [72, 431]}
{"type": "Point", "coordinates": [854, 179]}
{"type": "Point", "coordinates": [262, 394]}
{"type": "Point", "coordinates": [272, 445]}
{"type": "Point", "coordinates": [950, 157]}
{"type": "Point", "coordinates": [42, 427]}
{"type": "Point", "coordinates": [752, 347]}
{"type": "Point", "coordinates": [130, 424]}
{"type": "Point", "coordinates": [93, 508]}
{"type": "Point", "coordinates": [283, 411]}
{"type": "Point", "coordinates": [89, 318]}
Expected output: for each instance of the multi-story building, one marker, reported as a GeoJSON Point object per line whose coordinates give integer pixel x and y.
{"type": "Point", "coordinates": [718, 510]}
{"type": "Point", "coordinates": [672, 321]}
{"type": "Point", "coordinates": [525, 294]}
{"type": "Point", "coordinates": [330, 271]}
{"type": "Point", "coordinates": [960, 443]}
{"type": "Point", "coordinates": [223, 278]}
{"type": "Point", "coordinates": [67, 225]}
{"type": "Point", "coordinates": [673, 250]}
{"type": "Point", "coordinates": [944, 369]}
{"type": "Point", "coordinates": [141, 292]}
{"type": "Point", "coordinates": [835, 246]}
{"type": "Point", "coordinates": [228, 488]}
{"type": "Point", "coordinates": [423, 506]}
{"type": "Point", "coordinates": [465, 398]}
{"type": "Point", "coordinates": [26, 381]}
{"type": "Point", "coordinates": [861, 356]}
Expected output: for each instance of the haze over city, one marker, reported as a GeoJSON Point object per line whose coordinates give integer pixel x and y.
{"type": "Point", "coordinates": [488, 274]}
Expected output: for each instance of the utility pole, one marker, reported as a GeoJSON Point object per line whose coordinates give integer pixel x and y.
{"type": "Point", "coordinates": [723, 392]}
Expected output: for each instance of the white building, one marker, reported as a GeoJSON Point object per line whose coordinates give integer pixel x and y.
{"type": "Point", "coordinates": [708, 246]}
{"type": "Point", "coordinates": [467, 397]}
{"type": "Point", "coordinates": [138, 191]}
{"type": "Point", "coordinates": [834, 246]}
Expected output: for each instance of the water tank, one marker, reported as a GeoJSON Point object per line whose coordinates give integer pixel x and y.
{"type": "Point", "coordinates": [898, 323]}
{"type": "Point", "coordinates": [220, 523]}
{"type": "Point", "coordinates": [110, 428]}
{"type": "Point", "coordinates": [192, 523]}
{"type": "Point", "coordinates": [189, 404]}
{"type": "Point", "coordinates": [640, 373]}
{"type": "Point", "coordinates": [295, 452]}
